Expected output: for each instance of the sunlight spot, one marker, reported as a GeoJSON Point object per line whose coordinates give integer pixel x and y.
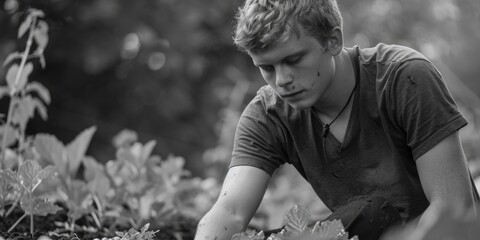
{"type": "Point", "coordinates": [156, 61]}
{"type": "Point", "coordinates": [131, 46]}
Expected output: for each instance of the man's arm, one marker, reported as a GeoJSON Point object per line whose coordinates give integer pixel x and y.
{"type": "Point", "coordinates": [445, 177]}
{"type": "Point", "coordinates": [242, 192]}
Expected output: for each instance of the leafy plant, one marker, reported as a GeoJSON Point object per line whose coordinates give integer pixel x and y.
{"type": "Point", "coordinates": [25, 97]}
{"type": "Point", "coordinates": [133, 234]}
{"type": "Point", "coordinates": [28, 177]}
{"type": "Point", "coordinates": [296, 224]}
{"type": "Point", "coordinates": [68, 159]}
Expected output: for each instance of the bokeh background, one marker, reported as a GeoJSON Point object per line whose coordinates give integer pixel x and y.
{"type": "Point", "coordinates": [168, 70]}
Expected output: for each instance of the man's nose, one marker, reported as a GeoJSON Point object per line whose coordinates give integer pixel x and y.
{"type": "Point", "coordinates": [283, 78]}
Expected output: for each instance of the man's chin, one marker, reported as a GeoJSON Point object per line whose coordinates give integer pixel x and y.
{"type": "Point", "coordinates": [299, 105]}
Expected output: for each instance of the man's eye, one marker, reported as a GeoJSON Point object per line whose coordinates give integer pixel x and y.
{"type": "Point", "coordinates": [293, 60]}
{"type": "Point", "coordinates": [267, 68]}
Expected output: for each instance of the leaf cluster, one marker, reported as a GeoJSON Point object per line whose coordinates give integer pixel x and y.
{"type": "Point", "coordinates": [297, 227]}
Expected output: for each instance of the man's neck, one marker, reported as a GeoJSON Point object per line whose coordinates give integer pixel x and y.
{"type": "Point", "coordinates": [340, 89]}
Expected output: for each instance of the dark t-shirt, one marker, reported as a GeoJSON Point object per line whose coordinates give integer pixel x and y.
{"type": "Point", "coordinates": [401, 110]}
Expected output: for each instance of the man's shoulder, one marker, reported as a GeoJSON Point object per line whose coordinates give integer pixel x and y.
{"type": "Point", "coordinates": [387, 54]}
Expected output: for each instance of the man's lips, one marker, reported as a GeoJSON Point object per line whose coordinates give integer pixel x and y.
{"type": "Point", "coordinates": [287, 95]}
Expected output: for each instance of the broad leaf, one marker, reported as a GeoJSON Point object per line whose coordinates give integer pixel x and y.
{"type": "Point", "coordinates": [40, 90]}
{"type": "Point", "coordinates": [92, 168]}
{"type": "Point", "coordinates": [24, 26]}
{"type": "Point", "coordinates": [23, 110]}
{"type": "Point", "coordinates": [4, 91]}
{"type": "Point", "coordinates": [296, 220]}
{"type": "Point", "coordinates": [173, 169]}
{"type": "Point", "coordinates": [23, 78]}
{"type": "Point", "coordinates": [51, 150]}
{"type": "Point", "coordinates": [31, 174]}
{"type": "Point", "coordinates": [9, 132]}
{"type": "Point", "coordinates": [11, 75]}
{"type": "Point", "coordinates": [125, 138]}
{"type": "Point", "coordinates": [78, 201]}
{"type": "Point", "coordinates": [249, 236]}
{"type": "Point", "coordinates": [41, 109]}
{"type": "Point", "coordinates": [11, 57]}
{"type": "Point", "coordinates": [77, 148]}
{"type": "Point", "coordinates": [137, 154]}
{"type": "Point", "coordinates": [39, 207]}
{"type": "Point", "coordinates": [40, 35]}
{"type": "Point", "coordinates": [330, 230]}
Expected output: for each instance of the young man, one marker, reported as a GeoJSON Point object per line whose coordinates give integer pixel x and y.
{"type": "Point", "coordinates": [356, 123]}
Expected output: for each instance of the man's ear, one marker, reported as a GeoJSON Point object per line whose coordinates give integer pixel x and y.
{"type": "Point", "coordinates": [334, 43]}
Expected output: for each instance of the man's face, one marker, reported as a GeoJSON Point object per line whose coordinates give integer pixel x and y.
{"type": "Point", "coordinates": [299, 70]}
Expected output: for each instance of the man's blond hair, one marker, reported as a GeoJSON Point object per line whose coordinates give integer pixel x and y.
{"type": "Point", "coordinates": [263, 23]}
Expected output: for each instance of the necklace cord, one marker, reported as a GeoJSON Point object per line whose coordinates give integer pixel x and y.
{"type": "Point", "coordinates": [326, 127]}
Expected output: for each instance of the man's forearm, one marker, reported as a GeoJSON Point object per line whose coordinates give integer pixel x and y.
{"type": "Point", "coordinates": [218, 225]}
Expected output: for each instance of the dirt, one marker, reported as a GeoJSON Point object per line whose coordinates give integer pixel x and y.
{"type": "Point", "coordinates": [178, 227]}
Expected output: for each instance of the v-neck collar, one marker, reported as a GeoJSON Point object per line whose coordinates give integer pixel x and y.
{"type": "Point", "coordinates": [352, 119]}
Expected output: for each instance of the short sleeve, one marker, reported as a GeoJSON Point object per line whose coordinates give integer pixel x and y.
{"type": "Point", "coordinates": [257, 140]}
{"type": "Point", "coordinates": [423, 106]}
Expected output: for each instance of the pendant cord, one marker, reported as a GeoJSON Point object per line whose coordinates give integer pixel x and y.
{"type": "Point", "coordinates": [326, 127]}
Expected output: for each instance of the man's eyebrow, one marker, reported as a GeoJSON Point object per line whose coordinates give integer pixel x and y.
{"type": "Point", "coordinates": [299, 53]}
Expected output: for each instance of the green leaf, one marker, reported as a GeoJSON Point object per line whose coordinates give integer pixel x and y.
{"type": "Point", "coordinates": [9, 131]}
{"type": "Point", "coordinates": [92, 168]}
{"type": "Point", "coordinates": [77, 148]}
{"type": "Point", "coordinates": [24, 26]}
{"type": "Point", "coordinates": [31, 174]}
{"type": "Point", "coordinates": [249, 236]}
{"type": "Point", "coordinates": [27, 70]}
{"type": "Point", "coordinates": [333, 230]}
{"type": "Point", "coordinates": [12, 74]}
{"type": "Point", "coordinates": [36, 13]}
{"type": "Point", "coordinates": [173, 168]}
{"type": "Point", "coordinates": [40, 207]}
{"type": "Point", "coordinates": [4, 91]}
{"type": "Point", "coordinates": [11, 57]}
{"type": "Point", "coordinates": [41, 38]}
{"type": "Point", "coordinates": [125, 138]}
{"type": "Point", "coordinates": [78, 199]}
{"type": "Point", "coordinates": [296, 220]}
{"type": "Point", "coordinates": [137, 154]}
{"type": "Point", "coordinates": [43, 63]}
{"type": "Point", "coordinates": [40, 90]}
{"type": "Point", "coordinates": [52, 150]}
{"type": "Point", "coordinates": [23, 110]}
{"type": "Point", "coordinates": [41, 109]}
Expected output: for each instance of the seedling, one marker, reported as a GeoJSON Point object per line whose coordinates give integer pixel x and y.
{"type": "Point", "coordinates": [296, 228]}
{"type": "Point", "coordinates": [28, 177]}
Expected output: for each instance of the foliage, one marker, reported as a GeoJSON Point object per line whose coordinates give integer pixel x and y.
{"type": "Point", "coordinates": [25, 97]}
{"type": "Point", "coordinates": [450, 222]}
{"type": "Point", "coordinates": [296, 224]}
{"type": "Point", "coordinates": [134, 188]}
{"type": "Point", "coordinates": [133, 234]}
{"type": "Point", "coordinates": [26, 180]}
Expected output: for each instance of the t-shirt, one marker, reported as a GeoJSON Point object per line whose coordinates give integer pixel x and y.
{"type": "Point", "coordinates": [401, 110]}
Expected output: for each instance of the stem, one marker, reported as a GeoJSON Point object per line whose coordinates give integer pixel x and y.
{"type": "Point", "coordinates": [14, 90]}
{"type": "Point", "coordinates": [30, 196]}
{"type": "Point", "coordinates": [72, 228]}
{"type": "Point", "coordinates": [10, 210]}
{"type": "Point", "coordinates": [17, 222]}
